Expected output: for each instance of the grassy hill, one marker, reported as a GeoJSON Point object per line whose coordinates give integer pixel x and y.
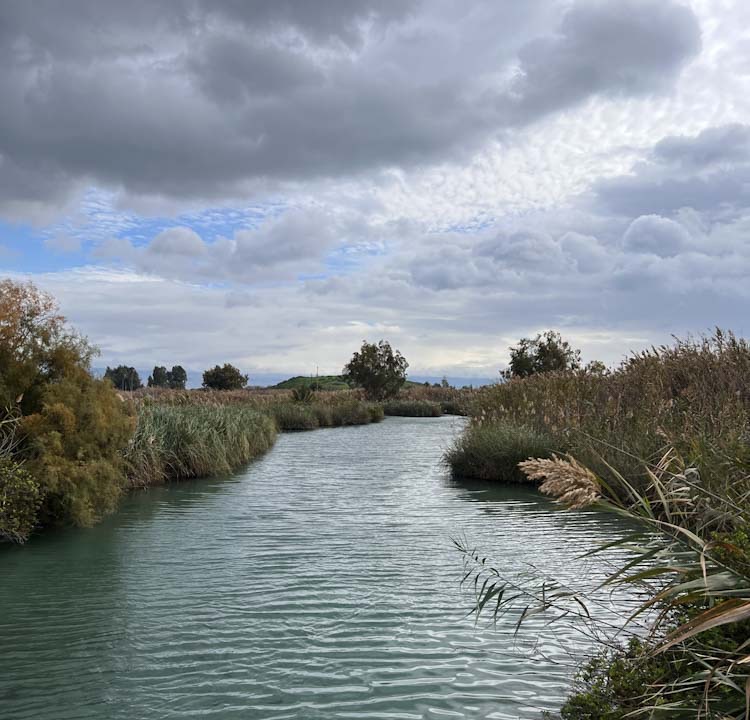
{"type": "Point", "coordinates": [326, 382]}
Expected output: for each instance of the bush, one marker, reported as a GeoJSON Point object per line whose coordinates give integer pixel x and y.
{"type": "Point", "coordinates": [73, 427]}
{"type": "Point", "coordinates": [376, 412]}
{"type": "Point", "coordinates": [413, 408]}
{"type": "Point", "coordinates": [74, 447]}
{"type": "Point", "coordinates": [20, 497]}
{"type": "Point", "coordinates": [492, 451]}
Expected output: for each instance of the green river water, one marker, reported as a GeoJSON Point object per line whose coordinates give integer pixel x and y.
{"type": "Point", "coordinates": [319, 582]}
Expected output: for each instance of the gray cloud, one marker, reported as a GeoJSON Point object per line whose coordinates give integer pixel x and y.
{"type": "Point", "coordinates": [726, 144]}
{"type": "Point", "coordinates": [657, 236]}
{"type": "Point", "coordinates": [709, 172]}
{"type": "Point", "coordinates": [629, 47]}
{"type": "Point", "coordinates": [215, 99]}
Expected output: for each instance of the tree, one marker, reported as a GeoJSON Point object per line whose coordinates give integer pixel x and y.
{"type": "Point", "coordinates": [227, 377]}
{"type": "Point", "coordinates": [123, 377]}
{"type": "Point", "coordinates": [177, 377]}
{"type": "Point", "coordinates": [158, 377]}
{"type": "Point", "coordinates": [67, 466]}
{"type": "Point", "coordinates": [547, 352]}
{"type": "Point", "coordinates": [377, 369]}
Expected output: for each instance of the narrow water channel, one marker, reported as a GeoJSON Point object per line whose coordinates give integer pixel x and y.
{"type": "Point", "coordinates": [319, 582]}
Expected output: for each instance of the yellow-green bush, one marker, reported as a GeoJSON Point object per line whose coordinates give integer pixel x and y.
{"type": "Point", "coordinates": [72, 428]}
{"type": "Point", "coordinates": [20, 497]}
{"type": "Point", "coordinates": [74, 446]}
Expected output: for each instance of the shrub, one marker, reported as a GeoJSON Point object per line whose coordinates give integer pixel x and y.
{"type": "Point", "coordinates": [376, 412]}
{"type": "Point", "coordinates": [303, 393]}
{"type": "Point", "coordinates": [73, 427]}
{"type": "Point", "coordinates": [74, 446]}
{"type": "Point", "coordinates": [492, 451]}
{"type": "Point", "coordinates": [20, 497]}
{"type": "Point", "coordinates": [413, 408]}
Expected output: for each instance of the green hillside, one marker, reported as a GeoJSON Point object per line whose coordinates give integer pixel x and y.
{"type": "Point", "coordinates": [326, 382]}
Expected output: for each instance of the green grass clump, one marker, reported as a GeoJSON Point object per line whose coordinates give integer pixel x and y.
{"type": "Point", "coordinates": [294, 417]}
{"type": "Point", "coordinates": [352, 413]}
{"type": "Point", "coordinates": [413, 408]}
{"type": "Point", "coordinates": [492, 451]}
{"type": "Point", "coordinates": [175, 442]}
{"type": "Point", "coordinates": [376, 412]}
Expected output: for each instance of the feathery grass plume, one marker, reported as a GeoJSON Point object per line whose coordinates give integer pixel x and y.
{"type": "Point", "coordinates": [565, 479]}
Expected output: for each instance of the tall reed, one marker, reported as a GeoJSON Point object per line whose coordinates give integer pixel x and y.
{"type": "Point", "coordinates": [174, 442]}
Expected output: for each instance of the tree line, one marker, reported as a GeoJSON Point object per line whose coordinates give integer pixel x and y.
{"type": "Point", "coordinates": [376, 368]}
{"type": "Point", "coordinates": [224, 377]}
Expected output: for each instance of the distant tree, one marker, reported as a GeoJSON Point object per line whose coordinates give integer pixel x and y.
{"type": "Point", "coordinates": [378, 369]}
{"type": "Point", "coordinates": [546, 352]}
{"type": "Point", "coordinates": [158, 377]}
{"type": "Point", "coordinates": [123, 377]}
{"type": "Point", "coordinates": [596, 367]}
{"type": "Point", "coordinates": [177, 377]}
{"type": "Point", "coordinates": [226, 377]}
{"type": "Point", "coordinates": [444, 382]}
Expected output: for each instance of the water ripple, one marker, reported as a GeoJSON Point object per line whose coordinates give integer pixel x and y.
{"type": "Point", "coordinates": [318, 583]}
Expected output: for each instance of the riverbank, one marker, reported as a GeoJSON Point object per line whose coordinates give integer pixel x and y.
{"type": "Point", "coordinates": [664, 440]}
{"type": "Point", "coordinates": [185, 435]}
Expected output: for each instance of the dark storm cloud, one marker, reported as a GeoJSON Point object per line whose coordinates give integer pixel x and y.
{"type": "Point", "coordinates": [190, 99]}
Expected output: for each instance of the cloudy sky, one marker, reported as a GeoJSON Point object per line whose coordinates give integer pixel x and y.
{"type": "Point", "coordinates": [269, 182]}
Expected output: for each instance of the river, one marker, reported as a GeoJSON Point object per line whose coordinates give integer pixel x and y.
{"type": "Point", "coordinates": [318, 582]}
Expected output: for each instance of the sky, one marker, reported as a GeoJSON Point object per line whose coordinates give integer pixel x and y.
{"type": "Point", "coordinates": [271, 182]}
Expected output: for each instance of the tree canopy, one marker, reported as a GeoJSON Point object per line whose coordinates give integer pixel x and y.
{"type": "Point", "coordinates": [176, 378]}
{"type": "Point", "coordinates": [123, 377]}
{"type": "Point", "coordinates": [547, 352]}
{"type": "Point", "coordinates": [378, 369]}
{"type": "Point", "coordinates": [225, 377]}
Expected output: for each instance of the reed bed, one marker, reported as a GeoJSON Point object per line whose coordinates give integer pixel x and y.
{"type": "Point", "coordinates": [185, 434]}
{"type": "Point", "coordinates": [664, 440]}
{"type": "Point", "coordinates": [693, 396]}
{"type": "Point", "coordinates": [412, 408]}
{"type": "Point", "coordinates": [177, 442]}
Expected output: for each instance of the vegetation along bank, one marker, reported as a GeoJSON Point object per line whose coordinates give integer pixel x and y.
{"type": "Point", "coordinates": [663, 439]}
{"type": "Point", "coordinates": [72, 443]}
